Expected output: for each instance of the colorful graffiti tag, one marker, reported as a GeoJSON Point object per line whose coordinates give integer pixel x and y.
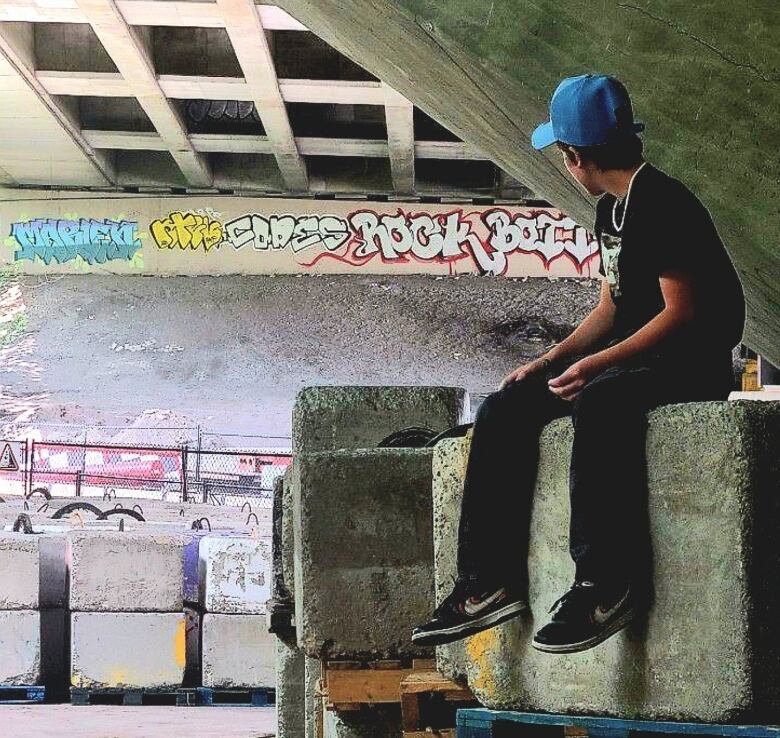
{"type": "Point", "coordinates": [486, 238]}
{"type": "Point", "coordinates": [67, 239]}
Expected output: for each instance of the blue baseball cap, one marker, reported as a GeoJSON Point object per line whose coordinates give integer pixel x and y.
{"type": "Point", "coordinates": [588, 110]}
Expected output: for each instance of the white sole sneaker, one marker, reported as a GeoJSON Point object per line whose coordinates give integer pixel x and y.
{"type": "Point", "coordinates": [618, 625]}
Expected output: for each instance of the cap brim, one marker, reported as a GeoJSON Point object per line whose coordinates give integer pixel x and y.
{"type": "Point", "coordinates": [543, 136]}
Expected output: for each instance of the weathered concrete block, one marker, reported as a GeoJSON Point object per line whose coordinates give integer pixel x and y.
{"type": "Point", "coordinates": [375, 722]}
{"type": "Point", "coordinates": [363, 551]}
{"type": "Point", "coordinates": [124, 649]}
{"type": "Point", "coordinates": [19, 571]}
{"type": "Point", "coordinates": [235, 574]}
{"type": "Point", "coordinates": [708, 648]}
{"type": "Point", "coordinates": [125, 571]}
{"type": "Point", "coordinates": [237, 651]}
{"type": "Point", "coordinates": [290, 690]}
{"type": "Point", "coordinates": [313, 697]}
{"type": "Point", "coordinates": [330, 418]}
{"type": "Point", "coordinates": [20, 647]}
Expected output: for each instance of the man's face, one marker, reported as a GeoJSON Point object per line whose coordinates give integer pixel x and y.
{"type": "Point", "coordinates": [584, 173]}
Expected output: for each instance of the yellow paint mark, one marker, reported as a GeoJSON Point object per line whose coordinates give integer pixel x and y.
{"type": "Point", "coordinates": [180, 644]}
{"type": "Point", "coordinates": [480, 648]}
{"type": "Point", "coordinates": [118, 678]}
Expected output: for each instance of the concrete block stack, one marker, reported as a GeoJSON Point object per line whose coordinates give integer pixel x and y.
{"type": "Point", "coordinates": [237, 651]}
{"type": "Point", "coordinates": [126, 603]}
{"type": "Point", "coordinates": [708, 649]}
{"type": "Point", "coordinates": [20, 619]}
{"type": "Point", "coordinates": [356, 540]}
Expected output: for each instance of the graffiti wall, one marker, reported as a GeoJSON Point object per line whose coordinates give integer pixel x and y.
{"type": "Point", "coordinates": [229, 235]}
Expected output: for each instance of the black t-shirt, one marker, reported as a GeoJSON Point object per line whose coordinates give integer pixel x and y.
{"type": "Point", "coordinates": [666, 227]}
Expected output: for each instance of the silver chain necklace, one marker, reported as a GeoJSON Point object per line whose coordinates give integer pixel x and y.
{"type": "Point", "coordinates": [619, 228]}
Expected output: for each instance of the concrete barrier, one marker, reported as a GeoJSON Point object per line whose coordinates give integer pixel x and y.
{"type": "Point", "coordinates": [20, 648]}
{"type": "Point", "coordinates": [19, 571]}
{"type": "Point", "coordinates": [127, 650]}
{"type": "Point", "coordinates": [290, 690]}
{"type": "Point", "coordinates": [708, 650]}
{"type": "Point", "coordinates": [375, 722]}
{"type": "Point", "coordinates": [312, 685]}
{"type": "Point", "coordinates": [237, 651]}
{"type": "Point", "coordinates": [235, 574]}
{"type": "Point", "coordinates": [125, 572]}
{"type": "Point", "coordinates": [330, 418]}
{"type": "Point", "coordinates": [363, 551]}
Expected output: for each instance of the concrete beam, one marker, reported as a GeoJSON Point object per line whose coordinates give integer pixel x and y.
{"type": "Point", "coordinates": [144, 13]}
{"type": "Point", "coordinates": [399, 115]}
{"type": "Point", "coordinates": [135, 65]}
{"type": "Point", "coordinates": [192, 87]}
{"type": "Point", "coordinates": [247, 35]}
{"type": "Point", "coordinates": [17, 50]}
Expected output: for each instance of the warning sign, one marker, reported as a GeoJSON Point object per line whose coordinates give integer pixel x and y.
{"type": "Point", "coordinates": [8, 460]}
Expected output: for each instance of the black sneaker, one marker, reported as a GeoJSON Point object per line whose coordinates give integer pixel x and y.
{"type": "Point", "coordinates": [463, 613]}
{"type": "Point", "coordinates": [583, 618]}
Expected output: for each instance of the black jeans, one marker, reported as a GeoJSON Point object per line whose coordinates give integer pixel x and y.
{"type": "Point", "coordinates": [608, 533]}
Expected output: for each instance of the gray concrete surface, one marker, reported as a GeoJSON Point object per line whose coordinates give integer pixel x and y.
{"type": "Point", "coordinates": [20, 647]}
{"type": "Point", "coordinates": [123, 649]}
{"type": "Point", "coordinates": [104, 721]}
{"type": "Point", "coordinates": [258, 341]}
{"type": "Point", "coordinates": [330, 418]}
{"type": "Point", "coordinates": [363, 551]}
{"type": "Point", "coordinates": [237, 651]}
{"type": "Point", "coordinates": [125, 572]}
{"type": "Point", "coordinates": [708, 648]}
{"type": "Point", "coordinates": [19, 571]}
{"type": "Point", "coordinates": [313, 715]}
{"type": "Point", "coordinates": [235, 574]}
{"type": "Point", "coordinates": [290, 690]}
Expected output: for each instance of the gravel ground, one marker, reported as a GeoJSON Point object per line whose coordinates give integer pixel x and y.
{"type": "Point", "coordinates": [230, 353]}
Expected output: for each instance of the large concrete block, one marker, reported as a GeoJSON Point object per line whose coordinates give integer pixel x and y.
{"type": "Point", "coordinates": [708, 648]}
{"type": "Point", "coordinates": [20, 647]}
{"type": "Point", "coordinates": [290, 690]}
{"type": "Point", "coordinates": [312, 687]}
{"type": "Point", "coordinates": [127, 650]}
{"type": "Point", "coordinates": [125, 571]}
{"type": "Point", "coordinates": [330, 418]}
{"type": "Point", "coordinates": [19, 571]}
{"type": "Point", "coordinates": [363, 551]}
{"type": "Point", "coordinates": [235, 574]}
{"type": "Point", "coordinates": [237, 651]}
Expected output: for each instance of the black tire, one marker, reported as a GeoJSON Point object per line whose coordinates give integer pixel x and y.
{"type": "Point", "coordinates": [39, 491]}
{"type": "Point", "coordinates": [414, 437]}
{"type": "Point", "coordinates": [73, 506]}
{"type": "Point", "coordinates": [458, 431]}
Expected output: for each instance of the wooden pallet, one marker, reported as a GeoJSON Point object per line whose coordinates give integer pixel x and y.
{"type": "Point", "coordinates": [418, 690]}
{"type": "Point", "coordinates": [348, 685]}
{"type": "Point", "coordinates": [24, 695]}
{"type": "Point", "coordinates": [472, 723]}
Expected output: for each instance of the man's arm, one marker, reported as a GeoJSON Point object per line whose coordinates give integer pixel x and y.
{"type": "Point", "coordinates": [588, 334]}
{"type": "Point", "coordinates": [677, 291]}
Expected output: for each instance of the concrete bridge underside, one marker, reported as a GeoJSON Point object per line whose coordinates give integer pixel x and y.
{"type": "Point", "coordinates": [704, 77]}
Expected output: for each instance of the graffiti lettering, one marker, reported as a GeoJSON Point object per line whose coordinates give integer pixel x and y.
{"type": "Point", "coordinates": [187, 231]}
{"type": "Point", "coordinates": [279, 231]}
{"type": "Point", "coordinates": [61, 241]}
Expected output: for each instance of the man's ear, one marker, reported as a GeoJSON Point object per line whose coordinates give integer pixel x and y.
{"type": "Point", "coordinates": [571, 154]}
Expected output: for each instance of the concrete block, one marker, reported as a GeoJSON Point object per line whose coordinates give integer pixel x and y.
{"type": "Point", "coordinates": [20, 648]}
{"type": "Point", "coordinates": [375, 722]}
{"type": "Point", "coordinates": [708, 649]}
{"type": "Point", "coordinates": [237, 651]}
{"type": "Point", "coordinates": [19, 571]}
{"type": "Point", "coordinates": [330, 418]}
{"type": "Point", "coordinates": [127, 650]}
{"type": "Point", "coordinates": [312, 698]}
{"type": "Point", "coordinates": [235, 574]}
{"type": "Point", "coordinates": [125, 572]}
{"type": "Point", "coordinates": [363, 551]}
{"type": "Point", "coordinates": [288, 534]}
{"type": "Point", "coordinates": [290, 690]}
{"type": "Point", "coordinates": [192, 564]}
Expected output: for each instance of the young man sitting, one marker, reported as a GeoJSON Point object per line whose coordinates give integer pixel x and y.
{"type": "Point", "coordinates": [670, 311]}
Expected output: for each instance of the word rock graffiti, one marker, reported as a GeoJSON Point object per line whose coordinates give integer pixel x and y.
{"type": "Point", "coordinates": [63, 240]}
{"type": "Point", "coordinates": [187, 231]}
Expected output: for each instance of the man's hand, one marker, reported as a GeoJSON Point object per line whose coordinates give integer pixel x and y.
{"type": "Point", "coordinates": [537, 365]}
{"type": "Point", "coordinates": [568, 385]}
